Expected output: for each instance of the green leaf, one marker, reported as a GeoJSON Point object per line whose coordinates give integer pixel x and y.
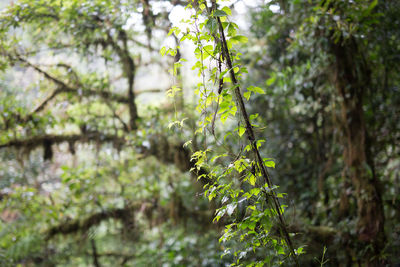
{"type": "Point", "coordinates": [270, 164]}
{"type": "Point", "coordinates": [220, 13]}
{"type": "Point", "coordinates": [239, 39]}
{"type": "Point", "coordinates": [186, 144]}
{"type": "Point", "coordinates": [163, 50]}
{"type": "Point", "coordinates": [241, 130]}
{"type": "Point", "coordinates": [255, 191]}
{"type": "Point", "coordinates": [271, 80]}
{"type": "Point", "coordinates": [370, 8]}
{"type": "Point", "coordinates": [211, 24]}
{"type": "Point", "coordinates": [209, 51]}
{"type": "Point", "coordinates": [281, 250]}
{"type": "Point", "coordinates": [252, 225]}
{"type": "Point", "coordinates": [240, 165]}
{"type": "Point", "coordinates": [172, 124]}
{"type": "Point", "coordinates": [231, 30]}
{"type": "Point", "coordinates": [227, 135]}
{"type": "Point", "coordinates": [253, 116]}
{"type": "Point", "coordinates": [252, 180]}
{"type": "Point", "coordinates": [247, 95]}
{"type": "Point", "coordinates": [255, 89]}
{"type": "Point", "coordinates": [174, 30]}
{"type": "Point", "coordinates": [259, 143]}
{"type": "Point", "coordinates": [227, 10]}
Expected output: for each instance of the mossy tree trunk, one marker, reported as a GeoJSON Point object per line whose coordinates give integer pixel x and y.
{"type": "Point", "coordinates": [352, 79]}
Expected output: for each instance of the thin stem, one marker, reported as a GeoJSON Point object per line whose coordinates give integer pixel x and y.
{"type": "Point", "coordinates": [252, 139]}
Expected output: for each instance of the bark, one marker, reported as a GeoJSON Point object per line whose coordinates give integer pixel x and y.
{"type": "Point", "coordinates": [131, 95]}
{"type": "Point", "coordinates": [148, 19]}
{"type": "Point", "coordinates": [351, 79]}
{"type": "Point", "coordinates": [129, 71]}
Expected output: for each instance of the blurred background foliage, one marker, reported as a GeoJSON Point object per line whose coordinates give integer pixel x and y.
{"type": "Point", "coordinates": [91, 174]}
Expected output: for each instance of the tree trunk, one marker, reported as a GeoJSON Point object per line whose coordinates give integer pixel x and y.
{"type": "Point", "coordinates": [351, 79]}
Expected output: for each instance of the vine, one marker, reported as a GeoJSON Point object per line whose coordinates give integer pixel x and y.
{"type": "Point", "coordinates": [240, 180]}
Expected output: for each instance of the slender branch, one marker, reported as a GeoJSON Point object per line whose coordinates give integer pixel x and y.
{"type": "Point", "coordinates": [84, 225]}
{"type": "Point", "coordinates": [129, 70]}
{"type": "Point", "coordinates": [91, 92]}
{"type": "Point", "coordinates": [147, 91]}
{"type": "Point", "coordinates": [94, 253]}
{"type": "Point", "coordinates": [115, 114]}
{"type": "Point", "coordinates": [65, 88]}
{"type": "Point", "coordinates": [124, 260]}
{"type": "Point", "coordinates": [139, 43]}
{"type": "Point", "coordinates": [148, 18]}
{"type": "Point", "coordinates": [37, 141]}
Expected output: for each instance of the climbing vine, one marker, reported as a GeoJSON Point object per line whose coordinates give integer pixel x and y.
{"type": "Point", "coordinates": [240, 180]}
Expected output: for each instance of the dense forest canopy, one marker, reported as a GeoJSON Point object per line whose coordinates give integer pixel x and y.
{"type": "Point", "coordinates": [199, 133]}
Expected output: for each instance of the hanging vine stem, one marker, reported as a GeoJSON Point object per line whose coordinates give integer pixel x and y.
{"type": "Point", "coordinates": [250, 134]}
{"type": "Point", "coordinates": [224, 55]}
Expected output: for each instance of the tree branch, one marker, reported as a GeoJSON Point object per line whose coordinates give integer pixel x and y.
{"type": "Point", "coordinates": [84, 225]}
{"type": "Point", "coordinates": [37, 141]}
{"type": "Point", "coordinates": [94, 253]}
{"type": "Point", "coordinates": [65, 88]}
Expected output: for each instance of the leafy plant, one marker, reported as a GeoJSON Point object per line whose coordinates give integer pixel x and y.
{"type": "Point", "coordinates": [240, 180]}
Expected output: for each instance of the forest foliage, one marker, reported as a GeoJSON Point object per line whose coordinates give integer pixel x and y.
{"type": "Point", "coordinates": [130, 139]}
